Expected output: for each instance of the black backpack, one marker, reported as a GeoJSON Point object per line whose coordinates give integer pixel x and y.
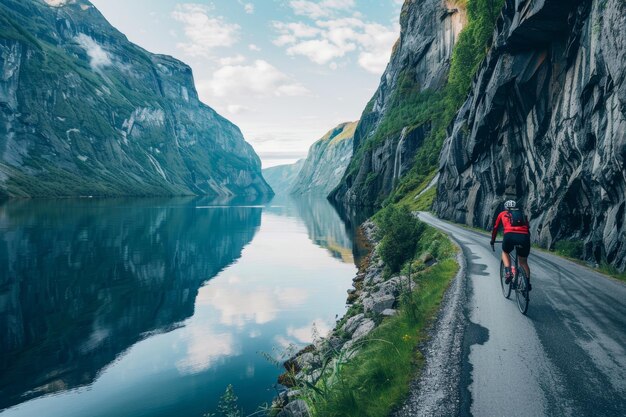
{"type": "Point", "coordinates": [517, 217]}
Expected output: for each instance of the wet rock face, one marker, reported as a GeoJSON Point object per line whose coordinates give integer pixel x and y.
{"type": "Point", "coordinates": [85, 112]}
{"type": "Point", "coordinates": [545, 123]}
{"type": "Point", "coordinates": [429, 31]}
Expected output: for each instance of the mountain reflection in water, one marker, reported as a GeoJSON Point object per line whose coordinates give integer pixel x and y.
{"type": "Point", "coordinates": [87, 279]}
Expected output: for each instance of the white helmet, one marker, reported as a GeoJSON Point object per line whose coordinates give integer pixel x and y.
{"type": "Point", "coordinates": [510, 204]}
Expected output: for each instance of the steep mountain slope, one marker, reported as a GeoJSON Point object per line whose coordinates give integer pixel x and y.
{"type": "Point", "coordinates": [322, 169]}
{"type": "Point", "coordinates": [282, 177]}
{"type": "Point", "coordinates": [546, 123]}
{"type": "Point", "coordinates": [84, 111]}
{"type": "Point", "coordinates": [326, 161]}
{"type": "Point", "coordinates": [398, 119]}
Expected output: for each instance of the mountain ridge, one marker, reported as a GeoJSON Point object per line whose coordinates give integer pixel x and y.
{"type": "Point", "coordinates": [321, 170]}
{"type": "Point", "coordinates": [86, 112]}
{"type": "Point", "coordinates": [326, 161]}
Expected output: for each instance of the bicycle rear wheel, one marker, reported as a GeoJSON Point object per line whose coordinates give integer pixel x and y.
{"type": "Point", "coordinates": [506, 288]}
{"type": "Point", "coordinates": [521, 291]}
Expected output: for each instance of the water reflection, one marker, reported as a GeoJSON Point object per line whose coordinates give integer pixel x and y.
{"type": "Point", "coordinates": [324, 226]}
{"type": "Point", "coordinates": [84, 280]}
{"type": "Point", "coordinates": [157, 305]}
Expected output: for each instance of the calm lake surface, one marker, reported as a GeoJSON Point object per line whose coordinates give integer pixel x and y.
{"type": "Point", "coordinates": [151, 307]}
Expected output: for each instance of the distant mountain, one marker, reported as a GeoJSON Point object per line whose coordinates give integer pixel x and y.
{"type": "Point", "coordinates": [83, 111]}
{"type": "Point", "coordinates": [326, 161]}
{"type": "Point", "coordinates": [322, 169]}
{"type": "Point", "coordinates": [282, 177]}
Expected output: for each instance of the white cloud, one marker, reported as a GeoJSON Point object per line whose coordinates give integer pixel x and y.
{"type": "Point", "coordinates": [253, 47]}
{"type": "Point", "coordinates": [247, 7]}
{"type": "Point", "coordinates": [331, 39]}
{"type": "Point", "coordinates": [309, 333]}
{"type": "Point", "coordinates": [320, 51]}
{"type": "Point", "coordinates": [204, 348]}
{"type": "Point", "coordinates": [376, 43]}
{"type": "Point", "coordinates": [239, 304]}
{"type": "Point", "coordinates": [260, 79]}
{"type": "Point", "coordinates": [232, 60]}
{"type": "Point", "coordinates": [57, 3]}
{"type": "Point", "coordinates": [98, 57]}
{"type": "Point", "coordinates": [204, 32]}
{"type": "Point", "coordinates": [324, 8]}
{"type": "Point", "coordinates": [237, 108]}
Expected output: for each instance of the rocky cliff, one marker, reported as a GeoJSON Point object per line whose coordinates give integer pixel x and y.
{"type": "Point", "coordinates": [395, 123]}
{"type": "Point", "coordinates": [545, 123]}
{"type": "Point", "coordinates": [326, 161]}
{"type": "Point", "coordinates": [85, 112]}
{"type": "Point", "coordinates": [322, 169]}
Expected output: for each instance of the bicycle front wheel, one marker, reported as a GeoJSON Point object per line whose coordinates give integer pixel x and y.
{"type": "Point", "coordinates": [506, 288]}
{"type": "Point", "coordinates": [521, 292]}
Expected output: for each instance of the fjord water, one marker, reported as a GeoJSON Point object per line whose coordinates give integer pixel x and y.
{"type": "Point", "coordinates": [151, 307]}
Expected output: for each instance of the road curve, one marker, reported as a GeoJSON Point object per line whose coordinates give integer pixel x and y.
{"type": "Point", "coordinates": [567, 357]}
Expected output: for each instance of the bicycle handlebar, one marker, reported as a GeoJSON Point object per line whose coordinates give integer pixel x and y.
{"type": "Point", "coordinates": [493, 248]}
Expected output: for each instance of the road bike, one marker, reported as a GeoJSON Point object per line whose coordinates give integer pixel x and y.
{"type": "Point", "coordinates": [519, 283]}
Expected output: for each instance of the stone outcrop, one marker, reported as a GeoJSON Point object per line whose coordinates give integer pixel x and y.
{"type": "Point", "coordinates": [297, 408]}
{"type": "Point", "coordinates": [421, 59]}
{"type": "Point", "coordinates": [374, 295]}
{"type": "Point", "coordinates": [545, 123]}
{"type": "Point", "coordinates": [83, 111]}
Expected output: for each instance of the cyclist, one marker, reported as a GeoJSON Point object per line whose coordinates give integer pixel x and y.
{"type": "Point", "coordinates": [516, 233]}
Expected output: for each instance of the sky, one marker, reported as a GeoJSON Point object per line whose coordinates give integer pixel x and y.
{"type": "Point", "coordinates": [284, 71]}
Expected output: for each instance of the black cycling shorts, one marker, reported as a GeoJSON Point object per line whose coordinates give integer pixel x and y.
{"type": "Point", "coordinates": [511, 240]}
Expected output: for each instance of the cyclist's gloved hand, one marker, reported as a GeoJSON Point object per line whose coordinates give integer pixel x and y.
{"type": "Point", "coordinates": [493, 248]}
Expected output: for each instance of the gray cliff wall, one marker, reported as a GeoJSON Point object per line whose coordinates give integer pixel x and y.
{"type": "Point", "coordinates": [546, 123]}
{"type": "Point", "coordinates": [85, 111]}
{"type": "Point", "coordinates": [421, 57]}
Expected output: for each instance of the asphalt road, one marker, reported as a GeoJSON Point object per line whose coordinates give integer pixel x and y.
{"type": "Point", "coordinates": [567, 357]}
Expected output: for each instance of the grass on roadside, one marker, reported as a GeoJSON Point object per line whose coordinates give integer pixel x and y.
{"type": "Point", "coordinates": [424, 202]}
{"type": "Point", "coordinates": [377, 379]}
{"type": "Point", "coordinates": [611, 271]}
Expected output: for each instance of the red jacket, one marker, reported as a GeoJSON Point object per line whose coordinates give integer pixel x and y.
{"type": "Point", "coordinates": [504, 219]}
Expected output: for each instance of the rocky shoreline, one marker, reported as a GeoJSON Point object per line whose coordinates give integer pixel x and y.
{"type": "Point", "coordinates": [371, 299]}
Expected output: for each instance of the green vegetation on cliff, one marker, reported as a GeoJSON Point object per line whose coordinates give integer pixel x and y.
{"type": "Point", "coordinates": [411, 107]}
{"type": "Point", "coordinates": [469, 52]}
{"type": "Point", "coordinates": [326, 161]}
{"type": "Point", "coordinates": [128, 123]}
